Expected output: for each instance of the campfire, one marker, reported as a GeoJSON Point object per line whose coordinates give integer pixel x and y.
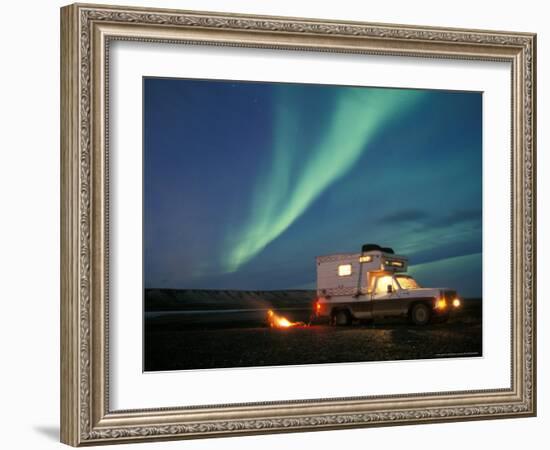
{"type": "Point", "coordinates": [277, 321]}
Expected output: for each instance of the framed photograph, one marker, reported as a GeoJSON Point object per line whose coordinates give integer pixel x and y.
{"type": "Point", "coordinates": [275, 224]}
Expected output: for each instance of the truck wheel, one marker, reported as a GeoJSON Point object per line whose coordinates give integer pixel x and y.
{"type": "Point", "coordinates": [342, 318]}
{"type": "Point", "coordinates": [420, 314]}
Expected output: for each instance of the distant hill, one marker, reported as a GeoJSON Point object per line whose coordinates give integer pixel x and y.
{"type": "Point", "coordinates": [193, 299]}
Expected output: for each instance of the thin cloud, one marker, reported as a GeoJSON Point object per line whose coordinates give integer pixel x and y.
{"type": "Point", "coordinates": [426, 220]}
{"type": "Point", "coordinates": [405, 215]}
{"type": "Point", "coordinates": [458, 216]}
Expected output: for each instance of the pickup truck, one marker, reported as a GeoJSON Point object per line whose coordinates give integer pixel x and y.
{"type": "Point", "coordinates": [372, 285]}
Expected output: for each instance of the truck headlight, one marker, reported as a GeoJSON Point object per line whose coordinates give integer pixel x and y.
{"type": "Point", "coordinates": [456, 302]}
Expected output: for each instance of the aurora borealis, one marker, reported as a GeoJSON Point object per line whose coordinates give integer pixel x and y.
{"type": "Point", "coordinates": [245, 183]}
{"type": "Point", "coordinates": [278, 200]}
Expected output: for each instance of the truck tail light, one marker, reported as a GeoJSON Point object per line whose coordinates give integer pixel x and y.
{"type": "Point", "coordinates": [317, 307]}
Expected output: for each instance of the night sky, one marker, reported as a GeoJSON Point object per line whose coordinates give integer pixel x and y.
{"type": "Point", "coordinates": [245, 183]}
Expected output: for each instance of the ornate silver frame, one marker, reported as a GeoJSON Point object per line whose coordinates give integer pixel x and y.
{"type": "Point", "coordinates": [86, 31]}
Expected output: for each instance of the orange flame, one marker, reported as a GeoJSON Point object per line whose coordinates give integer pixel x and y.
{"type": "Point", "coordinates": [276, 321]}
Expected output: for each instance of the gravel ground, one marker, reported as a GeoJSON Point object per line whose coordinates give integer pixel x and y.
{"type": "Point", "coordinates": [240, 339]}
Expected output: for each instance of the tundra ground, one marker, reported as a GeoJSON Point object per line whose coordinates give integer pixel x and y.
{"type": "Point", "coordinates": [222, 339]}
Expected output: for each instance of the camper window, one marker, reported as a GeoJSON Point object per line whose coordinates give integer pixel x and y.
{"type": "Point", "coordinates": [344, 270]}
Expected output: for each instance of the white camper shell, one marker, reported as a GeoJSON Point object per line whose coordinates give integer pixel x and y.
{"type": "Point", "coordinates": [374, 284]}
{"type": "Point", "coordinates": [353, 273]}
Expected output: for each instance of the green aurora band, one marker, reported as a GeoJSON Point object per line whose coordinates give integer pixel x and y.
{"type": "Point", "coordinates": [290, 186]}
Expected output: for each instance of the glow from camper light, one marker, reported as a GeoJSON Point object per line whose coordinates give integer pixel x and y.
{"type": "Point", "coordinates": [291, 184]}
{"type": "Point", "coordinates": [383, 283]}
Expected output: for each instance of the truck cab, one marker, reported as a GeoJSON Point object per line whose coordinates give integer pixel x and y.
{"type": "Point", "coordinates": [374, 284]}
